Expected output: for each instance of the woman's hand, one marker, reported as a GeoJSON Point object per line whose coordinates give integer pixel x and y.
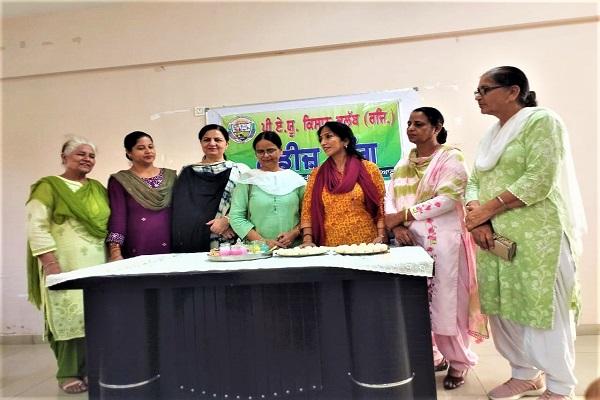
{"type": "Point", "coordinates": [472, 205]}
{"type": "Point", "coordinates": [477, 215]}
{"type": "Point", "coordinates": [115, 252]}
{"type": "Point", "coordinates": [51, 268]}
{"type": "Point", "coordinates": [274, 243]}
{"type": "Point", "coordinates": [286, 239]}
{"type": "Point", "coordinates": [483, 236]}
{"type": "Point", "coordinates": [49, 263]}
{"type": "Point", "coordinates": [219, 225]}
{"type": "Point", "coordinates": [403, 236]}
{"type": "Point", "coordinates": [380, 239]}
{"type": "Point", "coordinates": [228, 233]}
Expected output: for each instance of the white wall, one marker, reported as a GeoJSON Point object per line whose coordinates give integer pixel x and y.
{"type": "Point", "coordinates": [109, 69]}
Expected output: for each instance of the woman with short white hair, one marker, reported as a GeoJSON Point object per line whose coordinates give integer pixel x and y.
{"type": "Point", "coordinates": [67, 217]}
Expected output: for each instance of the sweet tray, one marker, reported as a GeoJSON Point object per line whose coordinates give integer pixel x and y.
{"type": "Point", "coordinates": [244, 257]}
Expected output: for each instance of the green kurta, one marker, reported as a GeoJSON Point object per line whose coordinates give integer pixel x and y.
{"type": "Point", "coordinates": [523, 290]}
{"type": "Point", "coordinates": [74, 246]}
{"type": "Point", "coordinates": [269, 215]}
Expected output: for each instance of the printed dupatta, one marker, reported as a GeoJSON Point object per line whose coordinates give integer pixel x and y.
{"type": "Point", "coordinates": [419, 179]}
{"type": "Point", "coordinates": [225, 203]}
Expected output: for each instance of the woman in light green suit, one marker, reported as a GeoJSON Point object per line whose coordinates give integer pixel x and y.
{"type": "Point", "coordinates": [266, 202]}
{"type": "Point", "coordinates": [523, 187]}
{"type": "Point", "coordinates": [67, 218]}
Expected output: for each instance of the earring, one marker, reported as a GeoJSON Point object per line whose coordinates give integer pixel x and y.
{"type": "Point", "coordinates": [346, 146]}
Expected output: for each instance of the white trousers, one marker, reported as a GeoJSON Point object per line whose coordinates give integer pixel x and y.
{"type": "Point", "coordinates": [530, 350]}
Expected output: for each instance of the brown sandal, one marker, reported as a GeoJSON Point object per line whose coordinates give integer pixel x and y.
{"type": "Point", "coordinates": [73, 386]}
{"type": "Point", "coordinates": [441, 366]}
{"type": "Point", "coordinates": [451, 381]}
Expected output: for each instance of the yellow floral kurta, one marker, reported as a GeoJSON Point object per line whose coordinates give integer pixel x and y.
{"type": "Point", "coordinates": [347, 221]}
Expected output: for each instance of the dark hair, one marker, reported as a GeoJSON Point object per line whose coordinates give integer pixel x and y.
{"type": "Point", "coordinates": [211, 127]}
{"type": "Point", "coordinates": [435, 118]}
{"type": "Point", "coordinates": [344, 132]}
{"type": "Point", "coordinates": [509, 76]}
{"type": "Point", "coordinates": [271, 136]}
{"type": "Point", "coordinates": [132, 138]}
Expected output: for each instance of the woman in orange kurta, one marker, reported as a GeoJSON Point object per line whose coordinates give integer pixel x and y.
{"type": "Point", "coordinates": [343, 202]}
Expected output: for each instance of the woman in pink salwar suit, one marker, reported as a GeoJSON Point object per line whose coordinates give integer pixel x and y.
{"type": "Point", "coordinates": [424, 206]}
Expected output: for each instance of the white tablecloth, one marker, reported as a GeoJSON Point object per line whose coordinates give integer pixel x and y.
{"type": "Point", "coordinates": [399, 260]}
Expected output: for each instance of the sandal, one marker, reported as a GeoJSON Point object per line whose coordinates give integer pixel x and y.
{"type": "Point", "coordinates": [441, 366]}
{"type": "Point", "coordinates": [451, 381]}
{"type": "Point", "coordinates": [73, 386]}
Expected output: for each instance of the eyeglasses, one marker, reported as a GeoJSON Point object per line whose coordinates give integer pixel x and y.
{"type": "Point", "coordinates": [482, 91]}
{"type": "Point", "coordinates": [261, 153]}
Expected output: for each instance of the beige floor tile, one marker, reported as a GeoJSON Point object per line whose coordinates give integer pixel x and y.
{"type": "Point", "coordinates": [485, 348]}
{"type": "Point", "coordinates": [587, 368]}
{"type": "Point", "coordinates": [49, 390]}
{"type": "Point", "coordinates": [472, 386]}
{"type": "Point", "coordinates": [27, 372]}
{"type": "Point", "coordinates": [587, 344]}
{"type": "Point", "coordinates": [492, 370]}
{"type": "Point", "coordinates": [25, 368]}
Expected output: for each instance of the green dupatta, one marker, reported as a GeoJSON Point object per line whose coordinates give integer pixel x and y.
{"type": "Point", "coordinates": [88, 205]}
{"type": "Point", "coordinates": [149, 198]}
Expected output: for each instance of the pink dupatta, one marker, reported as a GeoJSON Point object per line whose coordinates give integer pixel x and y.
{"type": "Point", "coordinates": [440, 178]}
{"type": "Point", "coordinates": [327, 177]}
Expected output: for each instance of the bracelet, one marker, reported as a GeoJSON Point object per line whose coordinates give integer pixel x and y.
{"type": "Point", "coordinates": [306, 234]}
{"type": "Point", "coordinates": [226, 217]}
{"type": "Point", "coordinates": [504, 206]}
{"type": "Point", "coordinates": [406, 215]}
{"type": "Point", "coordinates": [50, 263]}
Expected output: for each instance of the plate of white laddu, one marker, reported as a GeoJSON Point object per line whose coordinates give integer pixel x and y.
{"type": "Point", "coordinates": [302, 251]}
{"type": "Point", "coordinates": [361, 249]}
{"type": "Point", "coordinates": [345, 249]}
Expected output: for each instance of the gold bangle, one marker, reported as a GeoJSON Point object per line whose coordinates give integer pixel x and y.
{"type": "Point", "coordinates": [504, 206]}
{"type": "Point", "coordinates": [406, 215]}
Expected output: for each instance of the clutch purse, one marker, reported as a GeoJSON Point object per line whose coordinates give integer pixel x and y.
{"type": "Point", "coordinates": [504, 247]}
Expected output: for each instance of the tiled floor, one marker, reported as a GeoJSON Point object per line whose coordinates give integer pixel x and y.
{"type": "Point", "coordinates": [28, 372]}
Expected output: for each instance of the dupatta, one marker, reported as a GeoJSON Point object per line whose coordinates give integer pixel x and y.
{"type": "Point", "coordinates": [149, 198]}
{"type": "Point", "coordinates": [327, 177]}
{"type": "Point", "coordinates": [419, 179]}
{"type": "Point", "coordinates": [88, 205]}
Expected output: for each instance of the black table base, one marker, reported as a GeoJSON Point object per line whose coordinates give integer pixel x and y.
{"type": "Point", "coordinates": [313, 333]}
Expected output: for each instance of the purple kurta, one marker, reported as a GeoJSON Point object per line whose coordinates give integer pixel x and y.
{"type": "Point", "coordinates": [144, 231]}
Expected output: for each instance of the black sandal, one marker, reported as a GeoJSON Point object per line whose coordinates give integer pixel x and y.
{"type": "Point", "coordinates": [452, 382]}
{"type": "Point", "coordinates": [441, 366]}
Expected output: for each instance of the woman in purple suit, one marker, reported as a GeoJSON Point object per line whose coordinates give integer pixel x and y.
{"type": "Point", "coordinates": [140, 202]}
